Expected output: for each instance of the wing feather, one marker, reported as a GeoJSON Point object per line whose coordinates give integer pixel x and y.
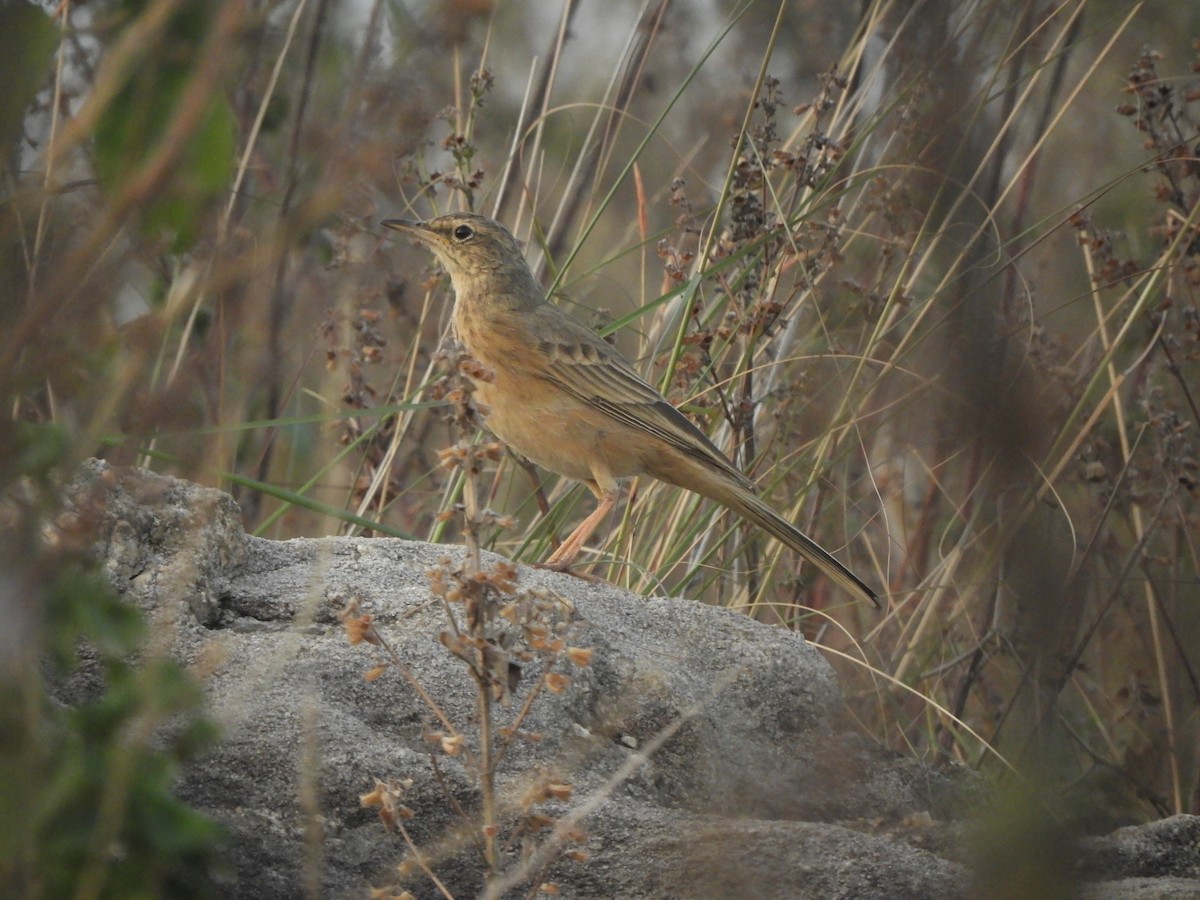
{"type": "Point", "coordinates": [589, 369]}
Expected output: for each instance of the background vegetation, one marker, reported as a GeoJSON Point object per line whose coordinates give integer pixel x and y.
{"type": "Point", "coordinates": [929, 271]}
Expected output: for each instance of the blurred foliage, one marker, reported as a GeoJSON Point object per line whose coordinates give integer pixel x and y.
{"type": "Point", "coordinates": [27, 41]}
{"type": "Point", "coordinates": [86, 789]}
{"type": "Point", "coordinates": [151, 101]}
{"type": "Point", "coordinates": [87, 805]}
{"type": "Point", "coordinates": [87, 800]}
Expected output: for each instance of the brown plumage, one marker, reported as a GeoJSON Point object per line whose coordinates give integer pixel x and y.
{"type": "Point", "coordinates": [566, 399]}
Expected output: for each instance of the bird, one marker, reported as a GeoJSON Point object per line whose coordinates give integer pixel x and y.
{"type": "Point", "coordinates": [565, 398]}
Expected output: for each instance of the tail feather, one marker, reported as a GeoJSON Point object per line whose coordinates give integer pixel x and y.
{"type": "Point", "coordinates": [753, 509]}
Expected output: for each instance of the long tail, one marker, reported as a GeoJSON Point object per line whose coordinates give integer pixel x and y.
{"type": "Point", "coordinates": [746, 504]}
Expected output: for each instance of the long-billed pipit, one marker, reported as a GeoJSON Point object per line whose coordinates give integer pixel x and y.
{"type": "Point", "coordinates": [566, 399]}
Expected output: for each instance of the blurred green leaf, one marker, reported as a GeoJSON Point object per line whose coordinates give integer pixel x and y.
{"type": "Point", "coordinates": [110, 626]}
{"type": "Point", "coordinates": [131, 130]}
{"type": "Point", "coordinates": [27, 40]}
{"type": "Point", "coordinates": [60, 818]}
{"type": "Point", "coordinates": [39, 448]}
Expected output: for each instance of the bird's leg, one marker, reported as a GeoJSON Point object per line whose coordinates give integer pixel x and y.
{"type": "Point", "coordinates": [562, 558]}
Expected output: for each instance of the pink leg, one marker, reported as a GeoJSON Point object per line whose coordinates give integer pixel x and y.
{"type": "Point", "coordinates": [562, 558]}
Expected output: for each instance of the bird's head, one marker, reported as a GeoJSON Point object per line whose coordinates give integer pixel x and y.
{"type": "Point", "coordinates": [466, 243]}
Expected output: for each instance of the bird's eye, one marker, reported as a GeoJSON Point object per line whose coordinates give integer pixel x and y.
{"type": "Point", "coordinates": [463, 232]}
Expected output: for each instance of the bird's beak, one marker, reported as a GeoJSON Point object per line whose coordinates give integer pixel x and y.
{"type": "Point", "coordinates": [418, 230]}
{"type": "Point", "coordinates": [402, 224]}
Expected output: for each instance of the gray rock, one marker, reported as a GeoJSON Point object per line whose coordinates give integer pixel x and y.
{"type": "Point", "coordinates": [708, 755]}
{"type": "Point", "coordinates": [1168, 847]}
{"type": "Point", "coordinates": [1144, 889]}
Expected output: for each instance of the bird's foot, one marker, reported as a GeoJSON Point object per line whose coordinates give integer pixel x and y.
{"type": "Point", "coordinates": [566, 569]}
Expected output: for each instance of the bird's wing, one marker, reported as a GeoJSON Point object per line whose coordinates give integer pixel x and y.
{"type": "Point", "coordinates": [585, 366]}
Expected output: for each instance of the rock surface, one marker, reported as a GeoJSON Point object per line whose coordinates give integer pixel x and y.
{"type": "Point", "coordinates": [708, 755]}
